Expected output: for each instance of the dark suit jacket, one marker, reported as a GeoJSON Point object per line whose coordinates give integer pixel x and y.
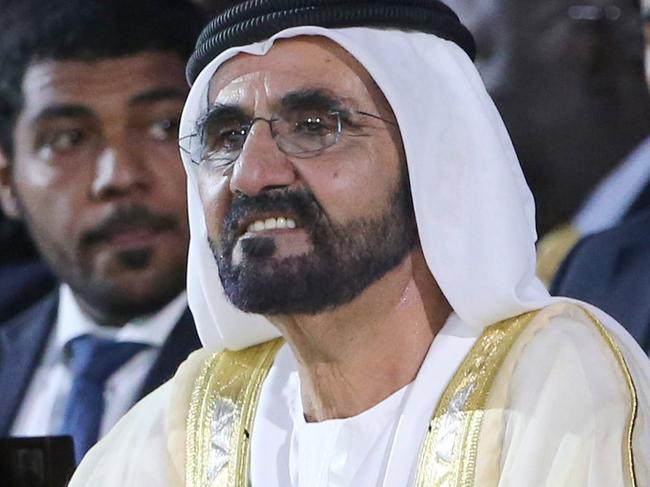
{"type": "Point", "coordinates": [21, 285]}
{"type": "Point", "coordinates": [612, 270]}
{"type": "Point", "coordinates": [22, 342]}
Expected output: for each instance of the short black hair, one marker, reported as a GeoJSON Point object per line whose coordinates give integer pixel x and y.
{"type": "Point", "coordinates": [37, 30]}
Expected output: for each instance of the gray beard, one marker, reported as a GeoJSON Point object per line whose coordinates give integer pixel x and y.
{"type": "Point", "coordinates": [344, 261]}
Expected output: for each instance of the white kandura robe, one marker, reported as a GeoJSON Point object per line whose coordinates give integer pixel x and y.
{"type": "Point", "coordinates": [563, 424]}
{"type": "Point", "coordinates": [138, 451]}
{"type": "Point", "coordinates": [355, 451]}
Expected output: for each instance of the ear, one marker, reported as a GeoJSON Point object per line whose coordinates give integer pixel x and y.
{"type": "Point", "coordinates": [8, 199]}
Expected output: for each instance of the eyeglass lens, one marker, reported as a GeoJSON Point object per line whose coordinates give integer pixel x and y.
{"type": "Point", "coordinates": [302, 133]}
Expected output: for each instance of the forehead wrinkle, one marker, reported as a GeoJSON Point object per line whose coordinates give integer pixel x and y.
{"type": "Point", "coordinates": [296, 64]}
{"type": "Point", "coordinates": [240, 92]}
{"type": "Point", "coordinates": [254, 101]}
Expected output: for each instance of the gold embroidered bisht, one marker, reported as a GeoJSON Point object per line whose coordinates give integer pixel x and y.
{"type": "Point", "coordinates": [468, 433]}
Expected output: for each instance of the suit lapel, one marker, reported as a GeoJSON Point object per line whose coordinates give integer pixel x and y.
{"type": "Point", "coordinates": [22, 341]}
{"type": "Point", "coordinates": [179, 344]}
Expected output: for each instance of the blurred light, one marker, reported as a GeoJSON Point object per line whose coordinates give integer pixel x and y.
{"type": "Point", "coordinates": [594, 12]}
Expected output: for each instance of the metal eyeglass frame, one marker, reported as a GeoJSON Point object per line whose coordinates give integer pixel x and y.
{"type": "Point", "coordinates": [301, 155]}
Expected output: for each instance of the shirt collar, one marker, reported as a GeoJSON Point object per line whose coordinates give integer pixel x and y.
{"type": "Point", "coordinates": [612, 198]}
{"type": "Point", "coordinates": [152, 330]}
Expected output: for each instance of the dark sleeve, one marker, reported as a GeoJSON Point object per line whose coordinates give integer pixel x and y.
{"type": "Point", "coordinates": [576, 272]}
{"type": "Point", "coordinates": [611, 270]}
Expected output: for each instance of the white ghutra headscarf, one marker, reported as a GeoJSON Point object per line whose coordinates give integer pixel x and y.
{"type": "Point", "coordinates": [474, 211]}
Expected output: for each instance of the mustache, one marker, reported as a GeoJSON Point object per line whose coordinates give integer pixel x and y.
{"type": "Point", "coordinates": [299, 203]}
{"type": "Point", "coordinates": [127, 218]}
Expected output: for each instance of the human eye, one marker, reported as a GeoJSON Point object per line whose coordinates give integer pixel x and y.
{"type": "Point", "coordinates": [232, 138]}
{"type": "Point", "coordinates": [62, 140]}
{"type": "Point", "coordinates": [314, 122]}
{"type": "Point", "coordinates": [224, 136]}
{"type": "Point", "coordinates": [164, 129]}
{"type": "Point", "coordinates": [311, 122]}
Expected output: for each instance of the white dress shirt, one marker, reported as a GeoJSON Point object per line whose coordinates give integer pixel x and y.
{"type": "Point", "coordinates": [41, 411]}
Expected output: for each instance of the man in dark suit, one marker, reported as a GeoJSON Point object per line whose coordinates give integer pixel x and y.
{"type": "Point", "coordinates": [567, 78]}
{"type": "Point", "coordinates": [612, 270]}
{"type": "Point", "coordinates": [91, 93]}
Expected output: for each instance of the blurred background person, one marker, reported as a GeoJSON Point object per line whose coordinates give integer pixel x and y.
{"type": "Point", "coordinates": [612, 269]}
{"type": "Point", "coordinates": [567, 77]}
{"type": "Point", "coordinates": [24, 277]}
{"type": "Point", "coordinates": [91, 94]}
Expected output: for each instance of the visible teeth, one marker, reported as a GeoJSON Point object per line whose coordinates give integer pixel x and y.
{"type": "Point", "coordinates": [272, 224]}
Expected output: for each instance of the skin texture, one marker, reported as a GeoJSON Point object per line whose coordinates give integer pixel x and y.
{"type": "Point", "coordinates": [571, 92]}
{"type": "Point", "coordinates": [97, 178]}
{"type": "Point", "coordinates": [357, 354]}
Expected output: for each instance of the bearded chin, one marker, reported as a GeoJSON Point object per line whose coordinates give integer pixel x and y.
{"type": "Point", "coordinates": [343, 261]}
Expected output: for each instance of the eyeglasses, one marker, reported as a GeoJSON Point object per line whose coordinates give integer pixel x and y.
{"type": "Point", "coordinates": [299, 133]}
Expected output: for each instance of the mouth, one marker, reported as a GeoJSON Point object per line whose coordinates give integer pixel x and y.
{"type": "Point", "coordinates": [266, 224]}
{"type": "Point", "coordinates": [124, 235]}
{"type": "Point", "coordinates": [266, 236]}
{"type": "Point", "coordinates": [133, 237]}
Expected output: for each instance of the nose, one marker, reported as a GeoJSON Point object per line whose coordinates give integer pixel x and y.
{"type": "Point", "coordinates": [261, 166]}
{"type": "Point", "coordinates": [119, 171]}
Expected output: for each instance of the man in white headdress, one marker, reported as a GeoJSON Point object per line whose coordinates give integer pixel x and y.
{"type": "Point", "coordinates": [353, 191]}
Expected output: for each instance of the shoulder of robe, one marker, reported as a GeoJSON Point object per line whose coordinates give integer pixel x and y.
{"type": "Point", "coordinates": [147, 446]}
{"type": "Point", "coordinates": [570, 403]}
{"type": "Point", "coordinates": [182, 385]}
{"type": "Point", "coordinates": [125, 456]}
{"type": "Point", "coordinates": [567, 340]}
{"type": "Point", "coordinates": [185, 378]}
{"type": "Point", "coordinates": [571, 326]}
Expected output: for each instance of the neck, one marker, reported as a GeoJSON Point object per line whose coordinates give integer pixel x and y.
{"type": "Point", "coordinates": [104, 316]}
{"type": "Point", "coordinates": [353, 357]}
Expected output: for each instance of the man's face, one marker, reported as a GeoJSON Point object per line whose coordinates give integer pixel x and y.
{"type": "Point", "coordinates": [300, 235]}
{"type": "Point", "coordinates": [96, 176]}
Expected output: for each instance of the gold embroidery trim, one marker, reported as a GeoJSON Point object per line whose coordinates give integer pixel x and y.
{"type": "Point", "coordinates": [552, 249]}
{"type": "Point", "coordinates": [221, 413]}
{"type": "Point", "coordinates": [197, 408]}
{"type": "Point", "coordinates": [448, 456]}
{"type": "Point", "coordinates": [458, 417]}
{"type": "Point", "coordinates": [629, 452]}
